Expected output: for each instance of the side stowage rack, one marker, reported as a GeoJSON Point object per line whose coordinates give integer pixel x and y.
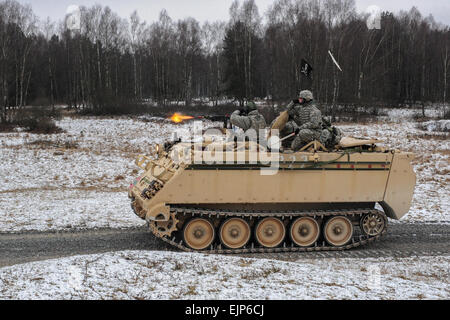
{"type": "Point", "coordinates": [162, 169]}
{"type": "Point", "coordinates": [152, 189]}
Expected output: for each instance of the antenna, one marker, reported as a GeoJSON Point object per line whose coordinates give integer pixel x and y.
{"type": "Point", "coordinates": [334, 60]}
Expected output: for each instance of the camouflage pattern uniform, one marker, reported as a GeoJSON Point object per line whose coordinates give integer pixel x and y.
{"type": "Point", "coordinates": [253, 120]}
{"type": "Point", "coordinates": [308, 118]}
{"type": "Point", "coordinates": [289, 128]}
{"type": "Point", "coordinates": [331, 136]}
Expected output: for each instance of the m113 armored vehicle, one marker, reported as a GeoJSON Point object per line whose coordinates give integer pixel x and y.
{"type": "Point", "coordinates": [310, 200]}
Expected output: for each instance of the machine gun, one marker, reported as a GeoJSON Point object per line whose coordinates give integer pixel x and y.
{"type": "Point", "coordinates": [222, 118]}
{"type": "Point", "coordinates": [179, 118]}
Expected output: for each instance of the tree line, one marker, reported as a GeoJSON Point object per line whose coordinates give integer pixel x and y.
{"type": "Point", "coordinates": [110, 62]}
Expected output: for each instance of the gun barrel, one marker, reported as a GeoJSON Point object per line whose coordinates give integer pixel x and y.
{"type": "Point", "coordinates": [224, 118]}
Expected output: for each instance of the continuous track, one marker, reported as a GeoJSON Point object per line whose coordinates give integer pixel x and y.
{"type": "Point", "coordinates": [218, 216]}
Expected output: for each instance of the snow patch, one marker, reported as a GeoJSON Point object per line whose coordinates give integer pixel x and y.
{"type": "Point", "coordinates": [436, 126]}
{"type": "Point", "coordinates": [170, 275]}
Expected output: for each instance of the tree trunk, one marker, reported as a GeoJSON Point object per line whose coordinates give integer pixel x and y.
{"type": "Point", "coordinates": [446, 63]}
{"type": "Point", "coordinates": [135, 75]}
{"type": "Point", "coordinates": [360, 79]}
{"type": "Point", "coordinates": [26, 88]}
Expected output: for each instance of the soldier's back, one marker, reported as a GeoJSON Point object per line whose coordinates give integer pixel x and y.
{"type": "Point", "coordinates": [307, 113]}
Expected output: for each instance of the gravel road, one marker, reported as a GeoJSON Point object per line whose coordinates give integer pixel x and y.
{"type": "Point", "coordinates": [402, 240]}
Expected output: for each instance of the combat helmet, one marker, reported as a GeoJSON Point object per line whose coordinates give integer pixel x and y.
{"type": "Point", "coordinates": [251, 106]}
{"type": "Point", "coordinates": [307, 95]}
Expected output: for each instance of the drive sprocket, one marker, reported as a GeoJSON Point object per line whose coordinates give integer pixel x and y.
{"type": "Point", "coordinates": [165, 228]}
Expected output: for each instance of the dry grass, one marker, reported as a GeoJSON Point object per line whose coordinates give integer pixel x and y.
{"type": "Point", "coordinates": [420, 296]}
{"type": "Point", "coordinates": [432, 275]}
{"type": "Point", "coordinates": [82, 188]}
{"type": "Point", "coordinates": [403, 277]}
{"type": "Point", "coordinates": [119, 178]}
{"type": "Point", "coordinates": [7, 127]}
{"type": "Point", "coordinates": [333, 284]}
{"type": "Point", "coordinates": [191, 290]}
{"type": "Point", "coordinates": [252, 275]}
{"type": "Point", "coordinates": [245, 263]}
{"type": "Point", "coordinates": [430, 136]}
{"type": "Point", "coordinates": [49, 144]}
{"type": "Point", "coordinates": [178, 266]}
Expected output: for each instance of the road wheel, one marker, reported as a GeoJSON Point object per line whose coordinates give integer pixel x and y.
{"type": "Point", "coordinates": [199, 234]}
{"type": "Point", "coordinates": [338, 231]}
{"type": "Point", "coordinates": [234, 233]}
{"type": "Point", "coordinates": [270, 232]}
{"type": "Point", "coordinates": [372, 224]}
{"type": "Point", "coordinates": [304, 231]}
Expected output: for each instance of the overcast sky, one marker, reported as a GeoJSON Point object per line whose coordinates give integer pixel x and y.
{"type": "Point", "coordinates": [213, 10]}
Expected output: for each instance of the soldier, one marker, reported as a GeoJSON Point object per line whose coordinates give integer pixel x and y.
{"type": "Point", "coordinates": [331, 136]}
{"type": "Point", "coordinates": [247, 119]}
{"type": "Point", "coordinates": [307, 118]}
{"type": "Point", "coordinates": [288, 129]}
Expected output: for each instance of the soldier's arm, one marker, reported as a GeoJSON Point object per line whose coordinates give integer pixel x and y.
{"type": "Point", "coordinates": [291, 126]}
{"type": "Point", "coordinates": [315, 121]}
{"type": "Point", "coordinates": [290, 106]}
{"type": "Point", "coordinates": [242, 122]}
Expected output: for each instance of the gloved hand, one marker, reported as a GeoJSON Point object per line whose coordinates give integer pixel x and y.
{"type": "Point", "coordinates": [297, 131]}
{"type": "Point", "coordinates": [335, 132]}
{"type": "Point", "coordinates": [290, 106]}
{"type": "Point", "coordinates": [243, 111]}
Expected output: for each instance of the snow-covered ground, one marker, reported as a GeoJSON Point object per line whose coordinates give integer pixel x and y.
{"type": "Point", "coordinates": [76, 179]}
{"type": "Point", "coordinates": [79, 178]}
{"type": "Point", "coordinates": [170, 275]}
{"type": "Point", "coordinates": [402, 114]}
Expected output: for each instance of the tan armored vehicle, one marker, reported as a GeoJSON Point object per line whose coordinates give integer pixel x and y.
{"type": "Point", "coordinates": [226, 198]}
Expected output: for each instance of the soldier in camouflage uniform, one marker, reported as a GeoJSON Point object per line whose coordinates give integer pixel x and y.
{"type": "Point", "coordinates": [247, 119]}
{"type": "Point", "coordinates": [288, 129]}
{"type": "Point", "coordinates": [331, 136]}
{"type": "Point", "coordinates": [307, 118]}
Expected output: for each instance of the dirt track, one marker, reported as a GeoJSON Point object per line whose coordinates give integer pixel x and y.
{"type": "Point", "coordinates": [402, 240]}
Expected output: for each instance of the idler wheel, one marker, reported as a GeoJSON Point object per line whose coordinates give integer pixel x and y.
{"type": "Point", "coordinates": [372, 224]}
{"type": "Point", "coordinates": [198, 234]}
{"type": "Point", "coordinates": [270, 232]}
{"type": "Point", "coordinates": [338, 231]}
{"type": "Point", "coordinates": [304, 231]}
{"type": "Point", "coordinates": [234, 233]}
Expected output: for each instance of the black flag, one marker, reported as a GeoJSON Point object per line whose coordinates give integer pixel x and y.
{"type": "Point", "coordinates": [306, 69]}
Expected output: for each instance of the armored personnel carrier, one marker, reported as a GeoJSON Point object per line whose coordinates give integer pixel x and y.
{"type": "Point", "coordinates": [226, 198]}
